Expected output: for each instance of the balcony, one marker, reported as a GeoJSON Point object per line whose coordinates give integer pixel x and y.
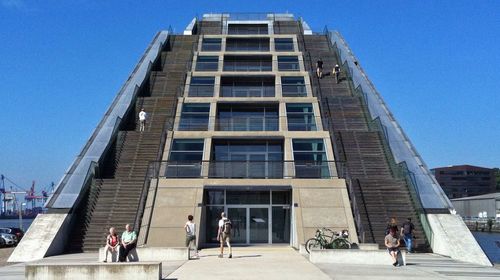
{"type": "Point", "coordinates": [247, 87]}
{"type": "Point", "coordinates": [247, 44]}
{"type": "Point", "coordinates": [250, 169]}
{"type": "Point", "coordinates": [248, 63]}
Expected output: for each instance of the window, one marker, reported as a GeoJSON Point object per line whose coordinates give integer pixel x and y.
{"type": "Point", "coordinates": [243, 117]}
{"type": "Point", "coordinates": [248, 63]}
{"type": "Point", "coordinates": [310, 158]}
{"type": "Point", "coordinates": [243, 29]}
{"type": "Point", "coordinates": [247, 159]}
{"type": "Point", "coordinates": [185, 158]}
{"type": "Point", "coordinates": [300, 117]}
{"type": "Point", "coordinates": [288, 63]}
{"type": "Point", "coordinates": [247, 44]}
{"type": "Point", "coordinates": [293, 87]}
{"type": "Point", "coordinates": [283, 45]}
{"type": "Point", "coordinates": [247, 86]}
{"type": "Point", "coordinates": [201, 87]}
{"type": "Point", "coordinates": [211, 45]}
{"type": "Point", "coordinates": [207, 63]}
{"type": "Point", "coordinates": [194, 117]}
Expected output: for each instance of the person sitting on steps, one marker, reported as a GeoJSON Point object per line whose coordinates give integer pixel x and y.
{"type": "Point", "coordinates": [392, 243]}
{"type": "Point", "coordinates": [112, 244]}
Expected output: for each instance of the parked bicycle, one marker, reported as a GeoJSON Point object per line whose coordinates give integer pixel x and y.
{"type": "Point", "coordinates": [328, 239]}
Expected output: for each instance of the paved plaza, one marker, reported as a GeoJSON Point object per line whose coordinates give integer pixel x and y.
{"type": "Point", "coordinates": [275, 262]}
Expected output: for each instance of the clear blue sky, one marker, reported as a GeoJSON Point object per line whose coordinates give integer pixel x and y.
{"type": "Point", "coordinates": [436, 63]}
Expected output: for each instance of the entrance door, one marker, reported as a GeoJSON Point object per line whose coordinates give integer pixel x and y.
{"type": "Point", "coordinates": [238, 217]}
{"type": "Point", "coordinates": [250, 224]}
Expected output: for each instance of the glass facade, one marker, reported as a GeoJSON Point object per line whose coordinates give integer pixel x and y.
{"type": "Point", "coordinates": [283, 45]}
{"type": "Point", "coordinates": [211, 44]}
{"type": "Point", "coordinates": [201, 87]}
{"type": "Point", "coordinates": [185, 158]}
{"type": "Point", "coordinates": [288, 63]}
{"type": "Point", "coordinates": [247, 44]}
{"type": "Point", "coordinates": [207, 63]}
{"type": "Point", "coordinates": [248, 63]}
{"type": "Point", "coordinates": [257, 216]}
{"type": "Point", "coordinates": [300, 117]}
{"type": "Point", "coordinates": [247, 86]}
{"type": "Point", "coordinates": [310, 158]}
{"type": "Point", "coordinates": [293, 87]}
{"type": "Point", "coordinates": [241, 117]}
{"type": "Point", "coordinates": [246, 29]}
{"type": "Point", "coordinates": [194, 117]}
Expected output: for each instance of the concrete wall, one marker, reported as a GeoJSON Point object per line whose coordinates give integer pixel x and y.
{"type": "Point", "coordinates": [45, 237]}
{"type": "Point", "coordinates": [122, 271]}
{"type": "Point", "coordinates": [320, 203]}
{"type": "Point", "coordinates": [451, 237]}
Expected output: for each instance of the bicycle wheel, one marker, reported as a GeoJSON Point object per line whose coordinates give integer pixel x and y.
{"type": "Point", "coordinates": [312, 243]}
{"type": "Point", "coordinates": [341, 243]}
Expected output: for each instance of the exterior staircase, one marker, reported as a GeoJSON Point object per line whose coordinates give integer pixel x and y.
{"type": "Point", "coordinates": [115, 200]}
{"type": "Point", "coordinates": [380, 193]}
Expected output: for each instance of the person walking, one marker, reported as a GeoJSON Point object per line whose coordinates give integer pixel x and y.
{"type": "Point", "coordinates": [142, 120]}
{"type": "Point", "coordinates": [391, 241]}
{"type": "Point", "coordinates": [224, 234]}
{"type": "Point", "coordinates": [407, 234]}
{"type": "Point", "coordinates": [190, 228]}
{"type": "Point", "coordinates": [336, 72]}
{"type": "Point", "coordinates": [129, 241]}
{"type": "Point", "coordinates": [112, 244]}
{"type": "Point", "coordinates": [319, 68]}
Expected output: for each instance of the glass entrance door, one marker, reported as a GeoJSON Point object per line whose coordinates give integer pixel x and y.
{"type": "Point", "coordinates": [250, 224]}
{"type": "Point", "coordinates": [238, 217]}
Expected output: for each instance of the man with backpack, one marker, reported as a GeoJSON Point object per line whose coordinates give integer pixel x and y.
{"type": "Point", "coordinates": [224, 234]}
{"type": "Point", "coordinates": [407, 234]}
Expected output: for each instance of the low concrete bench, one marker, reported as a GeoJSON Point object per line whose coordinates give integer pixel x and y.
{"type": "Point", "coordinates": [354, 256]}
{"type": "Point", "coordinates": [73, 271]}
{"type": "Point", "coordinates": [150, 254]}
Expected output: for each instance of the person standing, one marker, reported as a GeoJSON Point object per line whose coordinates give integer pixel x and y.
{"type": "Point", "coordinates": [224, 234]}
{"type": "Point", "coordinates": [319, 68]}
{"type": "Point", "coordinates": [336, 72]}
{"type": "Point", "coordinates": [142, 120]}
{"type": "Point", "coordinates": [112, 243]}
{"type": "Point", "coordinates": [190, 228]}
{"type": "Point", "coordinates": [129, 241]}
{"type": "Point", "coordinates": [393, 224]}
{"type": "Point", "coordinates": [407, 234]}
{"type": "Point", "coordinates": [391, 241]}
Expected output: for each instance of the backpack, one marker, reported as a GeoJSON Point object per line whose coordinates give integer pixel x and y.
{"type": "Point", "coordinates": [226, 228]}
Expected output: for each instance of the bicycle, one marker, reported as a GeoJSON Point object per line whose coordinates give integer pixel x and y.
{"type": "Point", "coordinates": [322, 240]}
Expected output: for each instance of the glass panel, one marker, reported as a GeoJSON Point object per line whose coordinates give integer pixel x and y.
{"type": "Point", "coordinates": [207, 63]}
{"type": "Point", "coordinates": [247, 63]}
{"type": "Point", "coordinates": [247, 197]}
{"type": "Point", "coordinates": [201, 87]}
{"type": "Point", "coordinates": [282, 197]}
{"type": "Point", "coordinates": [247, 44]}
{"type": "Point", "coordinates": [194, 117]}
{"type": "Point", "coordinates": [238, 217]}
{"type": "Point", "coordinates": [212, 222]}
{"type": "Point", "coordinates": [293, 86]}
{"type": "Point", "coordinates": [214, 197]}
{"type": "Point", "coordinates": [211, 44]}
{"type": "Point", "coordinates": [243, 29]}
{"type": "Point", "coordinates": [281, 224]}
{"type": "Point", "coordinates": [247, 87]}
{"type": "Point", "coordinates": [288, 63]}
{"type": "Point", "coordinates": [259, 225]}
{"type": "Point", "coordinates": [185, 158]}
{"type": "Point", "coordinates": [300, 117]}
{"type": "Point", "coordinates": [310, 158]}
{"type": "Point", "coordinates": [283, 44]}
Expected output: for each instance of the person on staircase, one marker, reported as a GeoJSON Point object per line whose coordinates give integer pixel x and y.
{"type": "Point", "coordinates": [319, 68]}
{"type": "Point", "coordinates": [112, 244]}
{"type": "Point", "coordinates": [142, 120]}
{"type": "Point", "coordinates": [407, 234]}
{"type": "Point", "coordinates": [336, 72]}
{"type": "Point", "coordinates": [393, 224]}
{"type": "Point", "coordinates": [129, 241]}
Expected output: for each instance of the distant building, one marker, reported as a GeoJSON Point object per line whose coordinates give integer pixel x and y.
{"type": "Point", "coordinates": [483, 206]}
{"type": "Point", "coordinates": [465, 180]}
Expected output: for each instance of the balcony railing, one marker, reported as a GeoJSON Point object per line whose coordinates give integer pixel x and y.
{"type": "Point", "coordinates": [248, 123]}
{"type": "Point", "coordinates": [248, 66]}
{"type": "Point", "coordinates": [247, 91]}
{"type": "Point", "coordinates": [251, 169]}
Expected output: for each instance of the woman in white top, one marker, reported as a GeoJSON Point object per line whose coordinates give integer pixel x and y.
{"type": "Point", "coordinates": [190, 229]}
